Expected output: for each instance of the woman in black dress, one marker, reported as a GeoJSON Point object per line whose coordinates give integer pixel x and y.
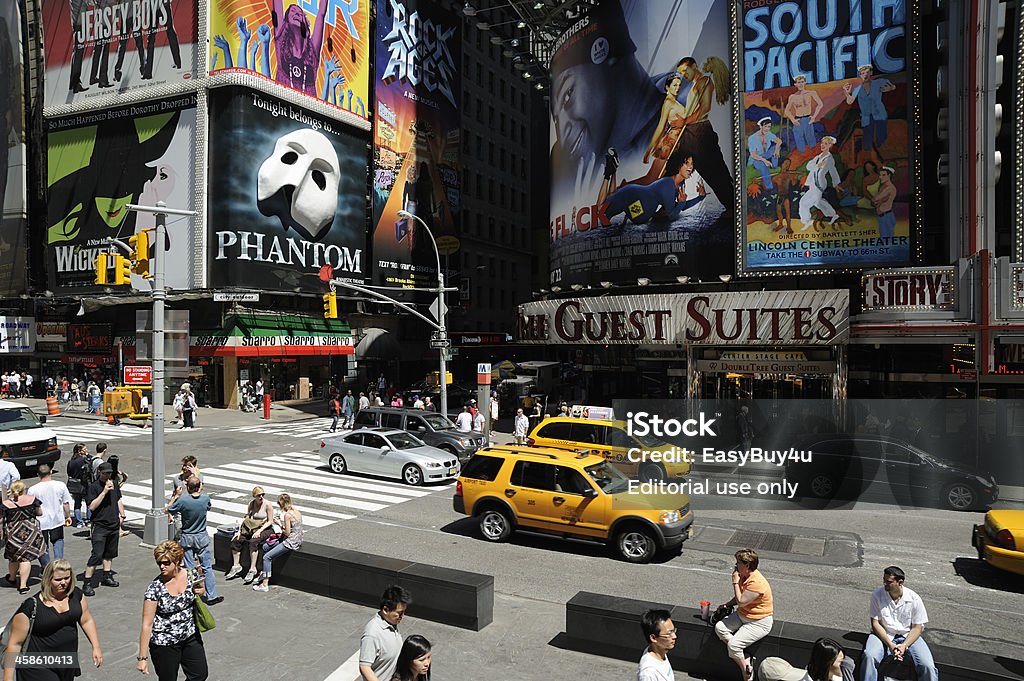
{"type": "Point", "coordinates": [59, 607]}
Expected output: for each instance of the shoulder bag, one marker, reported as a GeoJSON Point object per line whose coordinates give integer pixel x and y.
{"type": "Point", "coordinates": [6, 636]}
{"type": "Point", "coordinates": [204, 618]}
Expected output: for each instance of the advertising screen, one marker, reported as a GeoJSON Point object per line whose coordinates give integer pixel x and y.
{"type": "Point", "coordinates": [13, 213]}
{"type": "Point", "coordinates": [827, 175]}
{"type": "Point", "coordinates": [97, 164]}
{"type": "Point", "coordinates": [318, 47]}
{"type": "Point", "coordinates": [287, 195]}
{"type": "Point", "coordinates": [416, 141]}
{"type": "Point", "coordinates": [641, 177]}
{"type": "Point", "coordinates": [103, 47]}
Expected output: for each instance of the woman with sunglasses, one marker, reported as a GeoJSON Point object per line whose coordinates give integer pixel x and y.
{"type": "Point", "coordinates": [256, 526]}
{"type": "Point", "coordinates": [58, 610]}
{"type": "Point", "coordinates": [169, 634]}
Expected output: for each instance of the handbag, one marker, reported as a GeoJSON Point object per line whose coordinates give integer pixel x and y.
{"type": "Point", "coordinates": [5, 637]}
{"type": "Point", "coordinates": [721, 612]}
{"type": "Point", "coordinates": [250, 525]}
{"type": "Point", "coordinates": [204, 618]}
{"type": "Point", "coordinates": [274, 539]}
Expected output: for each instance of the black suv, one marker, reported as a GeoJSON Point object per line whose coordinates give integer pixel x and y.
{"type": "Point", "coordinates": [434, 429]}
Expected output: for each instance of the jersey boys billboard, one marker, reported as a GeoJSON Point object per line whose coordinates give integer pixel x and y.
{"type": "Point", "coordinates": [641, 180]}
{"type": "Point", "coordinates": [416, 140]}
{"type": "Point", "coordinates": [287, 195]}
{"type": "Point", "coordinates": [104, 47]}
{"type": "Point", "coordinates": [318, 47]}
{"type": "Point", "coordinates": [827, 175]}
{"type": "Point", "coordinates": [97, 164]}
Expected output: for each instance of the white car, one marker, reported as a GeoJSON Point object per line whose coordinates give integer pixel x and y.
{"type": "Point", "coordinates": [390, 453]}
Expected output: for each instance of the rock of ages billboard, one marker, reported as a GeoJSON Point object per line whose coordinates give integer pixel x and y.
{"type": "Point", "coordinates": [318, 47]}
{"type": "Point", "coordinates": [641, 123]}
{"type": "Point", "coordinates": [97, 164]}
{"type": "Point", "coordinates": [287, 195]}
{"type": "Point", "coordinates": [13, 200]}
{"type": "Point", "coordinates": [103, 47]}
{"type": "Point", "coordinates": [416, 140]}
{"type": "Point", "coordinates": [827, 176]}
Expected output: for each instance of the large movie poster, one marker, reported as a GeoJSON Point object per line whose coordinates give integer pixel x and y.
{"type": "Point", "coordinates": [416, 141]}
{"type": "Point", "coordinates": [104, 47]}
{"type": "Point", "coordinates": [287, 195]}
{"type": "Point", "coordinates": [642, 143]}
{"type": "Point", "coordinates": [97, 164]}
{"type": "Point", "coordinates": [318, 47]}
{"type": "Point", "coordinates": [13, 200]}
{"type": "Point", "coordinates": [827, 135]}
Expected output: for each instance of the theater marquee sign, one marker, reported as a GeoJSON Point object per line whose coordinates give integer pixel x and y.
{"type": "Point", "coordinates": [744, 318]}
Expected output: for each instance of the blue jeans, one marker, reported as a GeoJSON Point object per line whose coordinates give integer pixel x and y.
{"type": "Point", "coordinates": [875, 652]}
{"type": "Point", "coordinates": [334, 422]}
{"type": "Point", "coordinates": [54, 544]}
{"type": "Point", "coordinates": [765, 170]}
{"type": "Point", "coordinates": [206, 560]}
{"type": "Point", "coordinates": [875, 134]}
{"type": "Point", "coordinates": [76, 501]}
{"type": "Point", "coordinates": [887, 224]}
{"type": "Point", "coordinates": [269, 554]}
{"type": "Point", "coordinates": [803, 133]}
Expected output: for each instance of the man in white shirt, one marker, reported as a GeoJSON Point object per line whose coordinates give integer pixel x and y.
{"type": "Point", "coordinates": [520, 427]}
{"type": "Point", "coordinates": [478, 422]}
{"type": "Point", "coordinates": [56, 500]}
{"type": "Point", "coordinates": [8, 474]}
{"type": "Point", "coordinates": [897, 620]}
{"type": "Point", "coordinates": [464, 422]}
{"type": "Point", "coordinates": [364, 401]}
{"type": "Point", "coordinates": [660, 632]}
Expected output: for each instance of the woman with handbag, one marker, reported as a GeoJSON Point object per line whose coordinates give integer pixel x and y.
{"type": "Point", "coordinates": [46, 624]}
{"type": "Point", "coordinates": [290, 539]}
{"type": "Point", "coordinates": [752, 620]}
{"type": "Point", "coordinates": [256, 527]}
{"type": "Point", "coordinates": [170, 633]}
{"type": "Point", "coordinates": [24, 537]}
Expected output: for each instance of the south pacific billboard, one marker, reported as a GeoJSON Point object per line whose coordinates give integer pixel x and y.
{"type": "Point", "coordinates": [97, 48]}
{"type": "Point", "coordinates": [416, 141]}
{"type": "Point", "coordinates": [641, 169]}
{"type": "Point", "coordinates": [97, 164]}
{"type": "Point", "coordinates": [287, 195]}
{"type": "Point", "coordinates": [13, 199]}
{"type": "Point", "coordinates": [320, 48]}
{"type": "Point", "coordinates": [826, 126]}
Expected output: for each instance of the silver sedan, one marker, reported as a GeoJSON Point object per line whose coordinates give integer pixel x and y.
{"type": "Point", "coordinates": [389, 453]}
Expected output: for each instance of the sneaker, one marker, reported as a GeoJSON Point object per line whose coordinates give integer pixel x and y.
{"type": "Point", "coordinates": [262, 588]}
{"type": "Point", "coordinates": [88, 589]}
{"type": "Point", "coordinates": [233, 572]}
{"type": "Point", "coordinates": [250, 577]}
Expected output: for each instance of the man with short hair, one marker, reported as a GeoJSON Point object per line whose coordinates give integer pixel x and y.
{"type": "Point", "coordinates": [193, 508]}
{"type": "Point", "coordinates": [874, 119]}
{"type": "Point", "coordinates": [803, 108]}
{"type": "Point", "coordinates": [464, 422]}
{"type": "Point", "coordinates": [381, 643]}
{"type": "Point", "coordinates": [56, 501]}
{"type": "Point", "coordinates": [883, 200]}
{"type": "Point", "coordinates": [8, 474]}
{"type": "Point", "coordinates": [898, 617]}
{"type": "Point", "coordinates": [364, 401]}
{"type": "Point", "coordinates": [478, 422]}
{"type": "Point", "coordinates": [428, 405]}
{"type": "Point", "coordinates": [520, 427]}
{"type": "Point", "coordinates": [77, 487]}
{"type": "Point", "coordinates": [660, 633]}
{"type": "Point", "coordinates": [763, 148]}
{"type": "Point", "coordinates": [104, 499]}
{"type": "Point", "coordinates": [348, 410]}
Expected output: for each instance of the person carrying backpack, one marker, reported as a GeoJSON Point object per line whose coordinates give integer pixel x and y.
{"type": "Point", "coordinates": [80, 475]}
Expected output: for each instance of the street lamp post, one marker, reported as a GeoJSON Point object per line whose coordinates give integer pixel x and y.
{"type": "Point", "coordinates": [442, 312]}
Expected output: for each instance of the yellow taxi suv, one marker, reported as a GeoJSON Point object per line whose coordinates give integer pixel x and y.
{"type": "Point", "coordinates": [643, 458]}
{"type": "Point", "coordinates": [556, 492]}
{"type": "Point", "coordinates": [1000, 540]}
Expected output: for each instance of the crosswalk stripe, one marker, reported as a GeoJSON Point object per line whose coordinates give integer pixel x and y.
{"type": "Point", "coordinates": [314, 463]}
{"type": "Point", "coordinates": [342, 480]}
{"type": "Point", "coordinates": [238, 510]}
{"type": "Point", "coordinates": [264, 479]}
{"type": "Point", "coordinates": [301, 479]}
{"type": "Point", "coordinates": [211, 516]}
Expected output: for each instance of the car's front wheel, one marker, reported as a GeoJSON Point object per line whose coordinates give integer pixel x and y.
{"type": "Point", "coordinates": [337, 463]}
{"type": "Point", "coordinates": [652, 472]}
{"type": "Point", "coordinates": [495, 525]}
{"type": "Point", "coordinates": [637, 545]}
{"type": "Point", "coordinates": [822, 485]}
{"type": "Point", "coordinates": [959, 497]}
{"type": "Point", "coordinates": [412, 475]}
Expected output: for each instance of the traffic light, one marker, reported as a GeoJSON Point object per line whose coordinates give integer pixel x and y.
{"type": "Point", "coordinates": [330, 305]}
{"type": "Point", "coordinates": [122, 270]}
{"type": "Point", "coordinates": [101, 268]}
{"type": "Point", "coordinates": [140, 253]}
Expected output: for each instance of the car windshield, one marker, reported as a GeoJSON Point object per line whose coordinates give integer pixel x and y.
{"type": "Point", "coordinates": [608, 478]}
{"type": "Point", "coordinates": [17, 419]}
{"type": "Point", "coordinates": [405, 441]}
{"type": "Point", "coordinates": [438, 421]}
{"type": "Point", "coordinates": [648, 442]}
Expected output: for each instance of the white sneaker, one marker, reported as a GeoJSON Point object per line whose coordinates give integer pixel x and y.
{"type": "Point", "coordinates": [233, 572]}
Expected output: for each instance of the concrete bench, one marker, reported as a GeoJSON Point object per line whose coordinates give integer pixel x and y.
{"type": "Point", "coordinates": [610, 626]}
{"type": "Point", "coordinates": [453, 597]}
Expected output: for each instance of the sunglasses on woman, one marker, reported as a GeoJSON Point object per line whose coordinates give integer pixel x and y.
{"type": "Point", "coordinates": [164, 563]}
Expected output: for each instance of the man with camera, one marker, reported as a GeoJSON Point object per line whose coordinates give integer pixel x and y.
{"type": "Point", "coordinates": [104, 499]}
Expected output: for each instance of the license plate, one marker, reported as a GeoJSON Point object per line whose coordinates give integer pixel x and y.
{"type": "Point", "coordinates": [451, 471]}
{"type": "Point", "coordinates": [32, 462]}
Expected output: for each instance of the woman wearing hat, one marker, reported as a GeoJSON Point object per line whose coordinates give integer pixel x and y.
{"type": "Point", "coordinates": [828, 663]}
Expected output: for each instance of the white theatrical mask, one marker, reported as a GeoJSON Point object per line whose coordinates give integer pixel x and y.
{"type": "Point", "coordinates": [298, 183]}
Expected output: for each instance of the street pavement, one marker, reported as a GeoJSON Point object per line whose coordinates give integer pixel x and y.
{"type": "Point", "coordinates": [822, 564]}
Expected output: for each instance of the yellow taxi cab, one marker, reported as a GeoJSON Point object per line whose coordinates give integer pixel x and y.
{"type": "Point", "coordinates": [643, 458]}
{"type": "Point", "coordinates": [1000, 540]}
{"type": "Point", "coordinates": [554, 491]}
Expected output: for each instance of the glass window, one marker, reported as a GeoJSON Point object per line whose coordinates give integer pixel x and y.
{"type": "Point", "coordinates": [374, 440]}
{"type": "Point", "coordinates": [354, 439]}
{"type": "Point", "coordinates": [555, 431]}
{"type": "Point", "coordinates": [534, 475]}
{"type": "Point", "coordinates": [391, 420]}
{"type": "Point", "coordinates": [405, 441]}
{"type": "Point", "coordinates": [587, 433]}
{"type": "Point", "coordinates": [366, 418]}
{"type": "Point", "coordinates": [570, 481]}
{"type": "Point", "coordinates": [482, 467]}
{"type": "Point", "coordinates": [415, 424]}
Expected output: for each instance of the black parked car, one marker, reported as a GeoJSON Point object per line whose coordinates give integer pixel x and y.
{"type": "Point", "coordinates": [434, 429]}
{"type": "Point", "coordinates": [851, 466]}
